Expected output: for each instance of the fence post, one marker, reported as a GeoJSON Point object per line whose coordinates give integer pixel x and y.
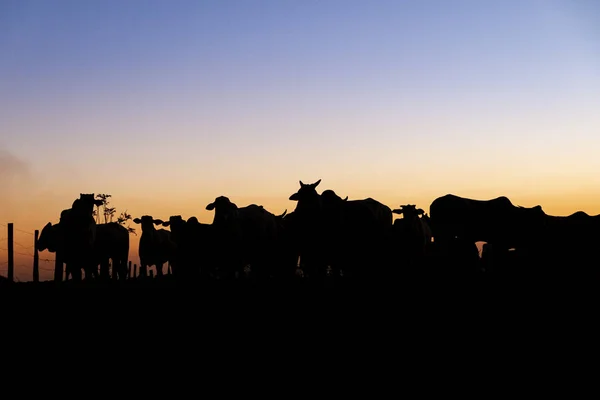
{"type": "Point", "coordinates": [11, 259]}
{"type": "Point", "coordinates": [36, 257]}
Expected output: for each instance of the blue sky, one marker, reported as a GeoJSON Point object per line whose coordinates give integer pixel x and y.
{"type": "Point", "coordinates": [219, 78]}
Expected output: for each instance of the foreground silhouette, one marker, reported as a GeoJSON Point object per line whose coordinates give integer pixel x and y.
{"type": "Point", "coordinates": [330, 238]}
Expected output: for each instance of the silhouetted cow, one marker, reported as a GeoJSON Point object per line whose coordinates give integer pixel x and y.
{"type": "Point", "coordinates": [156, 246]}
{"type": "Point", "coordinates": [413, 235]}
{"type": "Point", "coordinates": [199, 248]}
{"type": "Point", "coordinates": [287, 252]}
{"type": "Point", "coordinates": [79, 232]}
{"type": "Point", "coordinates": [194, 250]}
{"type": "Point", "coordinates": [246, 235]}
{"type": "Point", "coordinates": [349, 235]}
{"type": "Point", "coordinates": [306, 226]}
{"type": "Point", "coordinates": [567, 248]}
{"type": "Point", "coordinates": [495, 221]}
{"type": "Point", "coordinates": [111, 243]}
{"type": "Point", "coordinates": [178, 236]}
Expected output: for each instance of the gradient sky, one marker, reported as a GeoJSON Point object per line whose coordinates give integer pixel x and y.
{"type": "Point", "coordinates": [169, 104]}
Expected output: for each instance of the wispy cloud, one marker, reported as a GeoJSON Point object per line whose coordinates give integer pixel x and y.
{"type": "Point", "coordinates": [12, 168]}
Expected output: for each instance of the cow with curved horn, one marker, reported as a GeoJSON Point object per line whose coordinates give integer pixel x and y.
{"type": "Point", "coordinates": [307, 230]}
{"type": "Point", "coordinates": [348, 235]}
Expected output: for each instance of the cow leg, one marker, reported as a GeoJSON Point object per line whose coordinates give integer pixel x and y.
{"type": "Point", "coordinates": [313, 266]}
{"type": "Point", "coordinates": [105, 268]}
{"type": "Point", "coordinates": [91, 270]}
{"type": "Point", "coordinates": [67, 271]}
{"type": "Point", "coordinates": [117, 267]}
{"type": "Point", "coordinates": [75, 272]}
{"type": "Point", "coordinates": [143, 270]}
{"type": "Point", "coordinates": [159, 269]}
{"type": "Point", "coordinates": [115, 272]}
{"type": "Point", "coordinates": [121, 269]}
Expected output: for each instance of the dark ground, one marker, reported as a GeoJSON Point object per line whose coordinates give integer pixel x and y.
{"type": "Point", "coordinates": [163, 317]}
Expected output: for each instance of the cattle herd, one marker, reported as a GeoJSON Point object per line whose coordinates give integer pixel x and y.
{"type": "Point", "coordinates": [329, 237]}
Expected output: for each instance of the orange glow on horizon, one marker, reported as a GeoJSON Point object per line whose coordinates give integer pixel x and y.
{"type": "Point", "coordinates": [37, 211]}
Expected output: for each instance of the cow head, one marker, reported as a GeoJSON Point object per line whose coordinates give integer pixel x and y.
{"type": "Point", "coordinates": [86, 202]}
{"type": "Point", "coordinates": [48, 239]}
{"type": "Point", "coordinates": [409, 211]}
{"type": "Point", "coordinates": [174, 220]}
{"type": "Point", "coordinates": [78, 232]}
{"type": "Point", "coordinates": [223, 207]}
{"type": "Point", "coordinates": [147, 222]}
{"type": "Point", "coordinates": [330, 196]}
{"type": "Point", "coordinates": [221, 203]}
{"type": "Point", "coordinates": [331, 200]}
{"type": "Point", "coordinates": [309, 201]}
{"type": "Point", "coordinates": [531, 214]}
{"type": "Point", "coordinates": [306, 191]}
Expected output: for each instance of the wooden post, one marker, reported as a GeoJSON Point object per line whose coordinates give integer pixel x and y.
{"type": "Point", "coordinates": [58, 268]}
{"type": "Point", "coordinates": [36, 257]}
{"type": "Point", "coordinates": [11, 255]}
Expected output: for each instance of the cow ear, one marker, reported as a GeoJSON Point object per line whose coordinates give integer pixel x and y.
{"type": "Point", "coordinates": [294, 197]}
{"type": "Point", "coordinates": [98, 202]}
{"type": "Point", "coordinates": [210, 207]}
{"type": "Point", "coordinates": [420, 211]}
{"type": "Point", "coordinates": [346, 199]}
{"type": "Point", "coordinates": [301, 184]}
{"type": "Point", "coordinates": [166, 223]}
{"type": "Point", "coordinates": [314, 185]}
{"type": "Point", "coordinates": [137, 220]}
{"type": "Point", "coordinates": [397, 211]}
{"type": "Point", "coordinates": [157, 221]}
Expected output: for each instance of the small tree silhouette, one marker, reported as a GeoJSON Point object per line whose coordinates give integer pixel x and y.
{"type": "Point", "coordinates": [109, 213]}
{"type": "Point", "coordinates": [124, 217]}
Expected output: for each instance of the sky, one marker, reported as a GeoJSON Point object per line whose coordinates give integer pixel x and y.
{"type": "Point", "coordinates": [168, 104]}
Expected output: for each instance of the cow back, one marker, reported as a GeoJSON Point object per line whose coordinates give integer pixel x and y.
{"type": "Point", "coordinates": [112, 240]}
{"type": "Point", "coordinates": [257, 223]}
{"type": "Point", "coordinates": [367, 215]}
